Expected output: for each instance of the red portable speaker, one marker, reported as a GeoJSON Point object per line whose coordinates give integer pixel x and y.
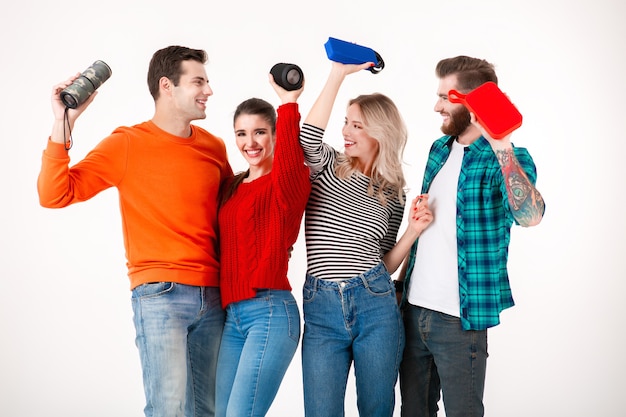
{"type": "Point", "coordinates": [492, 108]}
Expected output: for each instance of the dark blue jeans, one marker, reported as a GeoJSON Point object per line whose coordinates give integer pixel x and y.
{"type": "Point", "coordinates": [439, 356]}
{"type": "Point", "coordinates": [356, 321]}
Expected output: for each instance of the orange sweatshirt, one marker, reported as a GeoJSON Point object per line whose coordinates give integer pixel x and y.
{"type": "Point", "coordinates": [168, 189]}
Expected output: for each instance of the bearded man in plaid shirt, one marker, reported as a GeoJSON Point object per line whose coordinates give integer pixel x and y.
{"type": "Point", "coordinates": [454, 282]}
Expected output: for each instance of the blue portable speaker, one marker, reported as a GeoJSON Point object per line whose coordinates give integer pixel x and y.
{"type": "Point", "coordinates": [351, 53]}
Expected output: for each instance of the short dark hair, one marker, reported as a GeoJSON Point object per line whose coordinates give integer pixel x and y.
{"type": "Point", "coordinates": [166, 62]}
{"type": "Point", "coordinates": [470, 72]}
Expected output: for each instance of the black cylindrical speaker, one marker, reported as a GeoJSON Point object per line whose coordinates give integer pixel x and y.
{"type": "Point", "coordinates": [288, 76]}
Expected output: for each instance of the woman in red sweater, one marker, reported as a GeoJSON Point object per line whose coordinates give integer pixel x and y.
{"type": "Point", "coordinates": [259, 222]}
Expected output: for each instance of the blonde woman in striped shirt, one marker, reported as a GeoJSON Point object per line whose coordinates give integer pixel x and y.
{"type": "Point", "coordinates": [351, 223]}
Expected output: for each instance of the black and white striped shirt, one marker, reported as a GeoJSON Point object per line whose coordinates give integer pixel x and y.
{"type": "Point", "coordinates": [347, 230]}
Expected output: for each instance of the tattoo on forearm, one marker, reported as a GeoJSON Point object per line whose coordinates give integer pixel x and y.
{"type": "Point", "coordinates": [526, 202]}
{"type": "Point", "coordinates": [518, 189]}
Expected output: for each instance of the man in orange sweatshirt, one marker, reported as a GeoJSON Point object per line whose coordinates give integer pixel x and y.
{"type": "Point", "coordinates": [168, 174]}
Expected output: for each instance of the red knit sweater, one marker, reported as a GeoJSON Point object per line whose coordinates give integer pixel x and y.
{"type": "Point", "coordinates": [168, 188]}
{"type": "Point", "coordinates": [261, 221]}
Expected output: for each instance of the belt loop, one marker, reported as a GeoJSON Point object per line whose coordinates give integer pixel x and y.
{"type": "Point", "coordinates": [313, 282]}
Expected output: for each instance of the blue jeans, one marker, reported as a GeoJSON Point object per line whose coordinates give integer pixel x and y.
{"type": "Point", "coordinates": [260, 338]}
{"type": "Point", "coordinates": [441, 357]}
{"type": "Point", "coordinates": [179, 328]}
{"type": "Point", "coordinates": [351, 320]}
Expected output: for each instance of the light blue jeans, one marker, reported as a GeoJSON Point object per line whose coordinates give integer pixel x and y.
{"type": "Point", "coordinates": [351, 320]}
{"type": "Point", "coordinates": [178, 332]}
{"type": "Point", "coordinates": [441, 356]}
{"type": "Point", "coordinates": [260, 338]}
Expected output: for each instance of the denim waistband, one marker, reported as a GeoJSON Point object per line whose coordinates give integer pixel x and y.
{"type": "Point", "coordinates": [268, 292]}
{"type": "Point", "coordinates": [360, 280]}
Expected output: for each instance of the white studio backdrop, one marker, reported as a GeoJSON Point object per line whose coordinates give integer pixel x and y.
{"type": "Point", "coordinates": [65, 317]}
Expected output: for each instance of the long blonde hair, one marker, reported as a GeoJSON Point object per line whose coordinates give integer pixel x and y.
{"type": "Point", "coordinates": [383, 122]}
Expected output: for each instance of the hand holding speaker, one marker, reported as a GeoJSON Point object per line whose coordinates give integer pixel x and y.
{"type": "Point", "coordinates": [491, 107]}
{"type": "Point", "coordinates": [351, 53]}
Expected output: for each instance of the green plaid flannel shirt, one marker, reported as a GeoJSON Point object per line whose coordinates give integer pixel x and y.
{"type": "Point", "coordinates": [483, 224]}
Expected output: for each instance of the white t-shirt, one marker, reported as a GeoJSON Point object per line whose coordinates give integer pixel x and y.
{"type": "Point", "coordinates": [435, 277]}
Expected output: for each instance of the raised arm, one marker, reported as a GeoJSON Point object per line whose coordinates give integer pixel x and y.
{"type": "Point", "coordinates": [54, 183]}
{"type": "Point", "coordinates": [527, 205]}
{"type": "Point", "coordinates": [289, 173]}
{"type": "Point", "coordinates": [62, 126]}
{"type": "Point", "coordinates": [286, 96]}
{"type": "Point", "coordinates": [320, 112]}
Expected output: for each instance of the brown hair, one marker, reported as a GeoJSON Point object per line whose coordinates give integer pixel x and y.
{"type": "Point", "coordinates": [251, 106]}
{"type": "Point", "coordinates": [166, 62]}
{"type": "Point", "coordinates": [470, 72]}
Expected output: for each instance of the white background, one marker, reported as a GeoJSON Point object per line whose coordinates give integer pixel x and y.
{"type": "Point", "coordinates": [67, 340]}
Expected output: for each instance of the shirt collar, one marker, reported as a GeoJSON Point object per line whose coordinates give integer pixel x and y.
{"type": "Point", "coordinates": [478, 145]}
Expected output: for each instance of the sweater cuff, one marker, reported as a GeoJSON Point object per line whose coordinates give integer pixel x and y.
{"type": "Point", "coordinates": [56, 150]}
{"type": "Point", "coordinates": [286, 107]}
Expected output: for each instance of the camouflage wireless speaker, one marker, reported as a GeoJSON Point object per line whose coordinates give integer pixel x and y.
{"type": "Point", "coordinates": [79, 91]}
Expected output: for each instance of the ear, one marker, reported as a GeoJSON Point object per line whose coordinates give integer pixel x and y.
{"type": "Point", "coordinates": [165, 86]}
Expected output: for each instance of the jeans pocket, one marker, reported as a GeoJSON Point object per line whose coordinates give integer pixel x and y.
{"type": "Point", "coordinates": [381, 286]}
{"type": "Point", "coordinates": [152, 289]}
{"type": "Point", "coordinates": [293, 316]}
{"type": "Point", "coordinates": [447, 318]}
{"type": "Point", "coordinates": [308, 293]}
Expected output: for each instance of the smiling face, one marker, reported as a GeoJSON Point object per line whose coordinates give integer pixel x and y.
{"type": "Point", "coordinates": [255, 141]}
{"type": "Point", "coordinates": [456, 117]}
{"type": "Point", "coordinates": [358, 144]}
{"type": "Point", "coordinates": [191, 93]}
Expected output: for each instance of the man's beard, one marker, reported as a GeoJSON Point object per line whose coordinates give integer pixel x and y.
{"type": "Point", "coordinates": [457, 123]}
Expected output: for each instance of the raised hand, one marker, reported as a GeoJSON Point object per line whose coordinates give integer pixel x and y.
{"type": "Point", "coordinates": [420, 214]}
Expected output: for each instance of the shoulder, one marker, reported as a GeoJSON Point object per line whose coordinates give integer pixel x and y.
{"type": "Point", "coordinates": [442, 144]}
{"type": "Point", "coordinates": [201, 132]}
{"type": "Point", "coordinates": [206, 137]}
{"type": "Point", "coordinates": [138, 130]}
{"type": "Point", "coordinates": [444, 140]}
